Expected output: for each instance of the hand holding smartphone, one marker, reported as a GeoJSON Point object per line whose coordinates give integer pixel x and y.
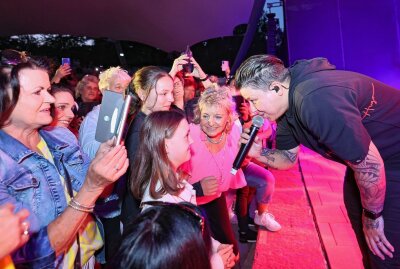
{"type": "Point", "coordinates": [189, 67]}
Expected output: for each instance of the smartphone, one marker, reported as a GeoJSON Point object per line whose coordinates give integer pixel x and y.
{"type": "Point", "coordinates": [224, 65]}
{"type": "Point", "coordinates": [188, 67]}
{"type": "Point", "coordinates": [65, 61]}
{"type": "Point", "coordinates": [113, 117]}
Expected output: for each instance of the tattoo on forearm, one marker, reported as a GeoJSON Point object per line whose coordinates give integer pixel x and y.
{"type": "Point", "coordinates": [371, 224]}
{"type": "Point", "coordinates": [268, 154]}
{"type": "Point", "coordinates": [292, 157]}
{"type": "Point", "coordinates": [273, 155]}
{"type": "Point", "coordinates": [368, 175]}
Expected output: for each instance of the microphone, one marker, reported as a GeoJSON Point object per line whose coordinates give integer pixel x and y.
{"type": "Point", "coordinates": [257, 122]}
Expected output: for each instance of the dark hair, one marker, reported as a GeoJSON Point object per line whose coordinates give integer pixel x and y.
{"type": "Point", "coordinates": [151, 163]}
{"type": "Point", "coordinates": [163, 237]}
{"type": "Point", "coordinates": [12, 81]}
{"type": "Point", "coordinates": [61, 88]}
{"type": "Point", "coordinates": [144, 80]}
{"type": "Point", "coordinates": [259, 71]}
{"type": "Point", "coordinates": [5, 99]}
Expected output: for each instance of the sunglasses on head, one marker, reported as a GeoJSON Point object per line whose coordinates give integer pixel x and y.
{"type": "Point", "coordinates": [11, 58]}
{"type": "Point", "coordinates": [192, 212]}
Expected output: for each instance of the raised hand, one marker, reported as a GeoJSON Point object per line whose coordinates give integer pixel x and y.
{"type": "Point", "coordinates": [62, 71]}
{"type": "Point", "coordinates": [110, 163]}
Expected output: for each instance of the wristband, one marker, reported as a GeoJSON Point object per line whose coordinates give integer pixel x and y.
{"type": "Point", "coordinates": [372, 215]}
{"type": "Point", "coordinates": [204, 79]}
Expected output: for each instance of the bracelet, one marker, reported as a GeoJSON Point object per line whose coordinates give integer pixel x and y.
{"type": "Point", "coordinates": [77, 206]}
{"type": "Point", "coordinates": [204, 79]}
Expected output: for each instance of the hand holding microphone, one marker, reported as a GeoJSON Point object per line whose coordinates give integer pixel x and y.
{"type": "Point", "coordinates": [257, 122]}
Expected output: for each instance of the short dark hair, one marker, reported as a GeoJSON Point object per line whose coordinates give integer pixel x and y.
{"type": "Point", "coordinates": [259, 71]}
{"type": "Point", "coordinates": [61, 88]}
{"type": "Point", "coordinates": [5, 98]}
{"type": "Point", "coordinates": [9, 102]}
{"type": "Point", "coordinates": [163, 237]}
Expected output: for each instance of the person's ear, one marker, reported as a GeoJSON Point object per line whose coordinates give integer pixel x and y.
{"type": "Point", "coordinates": [140, 94]}
{"type": "Point", "coordinates": [166, 147]}
{"type": "Point", "coordinates": [276, 86]}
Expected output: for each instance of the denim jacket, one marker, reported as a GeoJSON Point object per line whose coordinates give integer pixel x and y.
{"type": "Point", "coordinates": [28, 180]}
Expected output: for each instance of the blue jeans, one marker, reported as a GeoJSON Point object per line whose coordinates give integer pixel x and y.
{"type": "Point", "coordinates": [260, 178]}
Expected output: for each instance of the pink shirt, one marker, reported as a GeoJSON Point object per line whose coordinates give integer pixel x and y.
{"type": "Point", "coordinates": [203, 163]}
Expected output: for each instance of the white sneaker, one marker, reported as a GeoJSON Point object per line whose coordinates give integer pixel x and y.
{"type": "Point", "coordinates": [267, 220]}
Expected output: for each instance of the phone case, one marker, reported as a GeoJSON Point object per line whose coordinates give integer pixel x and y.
{"type": "Point", "coordinates": [110, 115]}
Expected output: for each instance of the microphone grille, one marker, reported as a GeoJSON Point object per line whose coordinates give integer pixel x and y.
{"type": "Point", "coordinates": [258, 121]}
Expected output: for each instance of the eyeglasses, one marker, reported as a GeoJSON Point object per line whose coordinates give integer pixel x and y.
{"type": "Point", "coordinates": [10, 57]}
{"type": "Point", "coordinates": [183, 207]}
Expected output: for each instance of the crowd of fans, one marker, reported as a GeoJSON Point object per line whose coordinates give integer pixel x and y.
{"type": "Point", "coordinates": [158, 200]}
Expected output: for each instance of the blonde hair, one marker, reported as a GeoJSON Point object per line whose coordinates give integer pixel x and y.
{"type": "Point", "coordinates": [111, 74]}
{"type": "Point", "coordinates": [83, 82]}
{"type": "Point", "coordinates": [213, 97]}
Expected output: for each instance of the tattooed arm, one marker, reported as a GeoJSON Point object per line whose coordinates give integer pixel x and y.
{"type": "Point", "coordinates": [278, 159]}
{"type": "Point", "coordinates": [370, 177]}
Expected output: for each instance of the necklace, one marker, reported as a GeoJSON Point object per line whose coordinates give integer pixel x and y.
{"type": "Point", "coordinates": [220, 165]}
{"type": "Point", "coordinates": [215, 142]}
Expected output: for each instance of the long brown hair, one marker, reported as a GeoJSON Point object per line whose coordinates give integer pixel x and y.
{"type": "Point", "coordinates": [151, 163]}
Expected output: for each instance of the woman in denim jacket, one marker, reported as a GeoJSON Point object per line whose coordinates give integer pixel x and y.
{"type": "Point", "coordinates": [44, 171]}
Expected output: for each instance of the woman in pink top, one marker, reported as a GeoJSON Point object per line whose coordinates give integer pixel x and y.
{"type": "Point", "coordinates": [214, 148]}
{"type": "Point", "coordinates": [215, 144]}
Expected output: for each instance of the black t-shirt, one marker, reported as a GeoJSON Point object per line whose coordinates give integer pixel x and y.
{"type": "Point", "coordinates": [337, 113]}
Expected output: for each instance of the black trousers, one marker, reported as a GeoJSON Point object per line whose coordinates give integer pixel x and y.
{"type": "Point", "coordinates": [391, 216]}
{"type": "Point", "coordinates": [218, 217]}
{"type": "Point", "coordinates": [112, 236]}
{"type": "Point", "coordinates": [244, 197]}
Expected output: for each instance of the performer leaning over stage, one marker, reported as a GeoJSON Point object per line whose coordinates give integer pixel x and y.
{"type": "Point", "coordinates": [344, 116]}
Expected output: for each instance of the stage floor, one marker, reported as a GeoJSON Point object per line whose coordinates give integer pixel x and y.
{"type": "Point", "coordinates": [316, 232]}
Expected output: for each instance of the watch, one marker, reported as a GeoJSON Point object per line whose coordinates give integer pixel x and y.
{"type": "Point", "coordinates": [372, 215]}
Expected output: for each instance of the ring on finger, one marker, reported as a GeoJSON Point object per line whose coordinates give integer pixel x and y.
{"type": "Point", "coordinates": [26, 228]}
